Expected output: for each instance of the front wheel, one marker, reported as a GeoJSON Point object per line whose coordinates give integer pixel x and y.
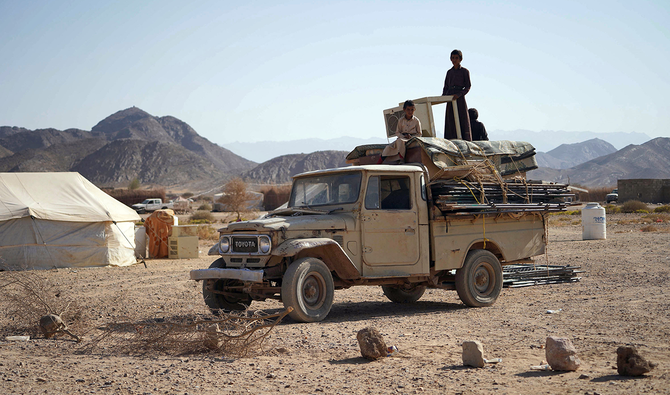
{"type": "Point", "coordinates": [308, 288]}
{"type": "Point", "coordinates": [228, 301]}
{"type": "Point", "coordinates": [479, 281]}
{"type": "Point", "coordinates": [404, 295]}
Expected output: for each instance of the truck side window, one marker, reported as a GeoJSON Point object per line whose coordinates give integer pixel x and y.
{"type": "Point", "coordinates": [388, 193]}
{"type": "Point", "coordinates": [372, 193]}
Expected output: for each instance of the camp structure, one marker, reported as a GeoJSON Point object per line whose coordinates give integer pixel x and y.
{"type": "Point", "coordinates": [58, 220]}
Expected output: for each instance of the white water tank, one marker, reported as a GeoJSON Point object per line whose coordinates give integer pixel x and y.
{"type": "Point", "coordinates": [593, 222]}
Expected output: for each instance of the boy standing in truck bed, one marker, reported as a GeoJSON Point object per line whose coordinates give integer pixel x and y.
{"type": "Point", "coordinates": [408, 126]}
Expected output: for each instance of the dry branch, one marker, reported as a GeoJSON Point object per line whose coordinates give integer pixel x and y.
{"type": "Point", "coordinates": [235, 335]}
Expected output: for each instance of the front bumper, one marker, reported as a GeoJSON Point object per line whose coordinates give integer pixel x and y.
{"type": "Point", "coordinates": [255, 276]}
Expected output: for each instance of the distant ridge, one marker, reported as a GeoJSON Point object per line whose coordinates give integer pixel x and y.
{"type": "Point", "coordinates": [128, 144]}
{"type": "Point", "coordinates": [265, 150]}
{"type": "Point", "coordinates": [648, 160]}
{"type": "Point", "coordinates": [281, 169]}
{"type": "Point", "coordinates": [569, 155]}
{"type": "Point", "coordinates": [549, 139]}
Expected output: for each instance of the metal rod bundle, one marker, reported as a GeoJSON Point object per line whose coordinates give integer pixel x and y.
{"type": "Point", "coordinates": [516, 276]}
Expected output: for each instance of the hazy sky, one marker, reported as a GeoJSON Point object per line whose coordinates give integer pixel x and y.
{"type": "Point", "coordinates": [269, 71]}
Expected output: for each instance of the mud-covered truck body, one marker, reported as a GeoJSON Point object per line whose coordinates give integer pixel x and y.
{"type": "Point", "coordinates": [380, 225]}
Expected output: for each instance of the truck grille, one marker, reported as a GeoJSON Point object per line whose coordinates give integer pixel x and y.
{"type": "Point", "coordinates": [245, 244]}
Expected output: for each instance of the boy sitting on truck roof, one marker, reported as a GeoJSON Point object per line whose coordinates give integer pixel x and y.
{"type": "Point", "coordinates": [408, 126]}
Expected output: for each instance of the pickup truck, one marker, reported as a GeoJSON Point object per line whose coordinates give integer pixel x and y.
{"type": "Point", "coordinates": [149, 205]}
{"type": "Point", "coordinates": [612, 197]}
{"type": "Point", "coordinates": [375, 225]}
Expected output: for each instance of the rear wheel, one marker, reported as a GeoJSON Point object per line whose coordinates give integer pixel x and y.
{"type": "Point", "coordinates": [404, 295]}
{"type": "Point", "coordinates": [307, 287]}
{"type": "Point", "coordinates": [231, 300]}
{"type": "Point", "coordinates": [479, 281]}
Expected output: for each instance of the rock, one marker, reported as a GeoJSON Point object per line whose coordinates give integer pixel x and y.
{"type": "Point", "coordinates": [630, 363]}
{"type": "Point", "coordinates": [51, 324]}
{"type": "Point", "coordinates": [213, 338]}
{"type": "Point", "coordinates": [561, 354]}
{"type": "Point", "coordinates": [371, 343]}
{"type": "Point", "coordinates": [473, 354]}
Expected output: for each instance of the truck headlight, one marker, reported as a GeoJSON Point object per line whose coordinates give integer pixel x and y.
{"type": "Point", "coordinates": [264, 244]}
{"type": "Point", "coordinates": [224, 244]}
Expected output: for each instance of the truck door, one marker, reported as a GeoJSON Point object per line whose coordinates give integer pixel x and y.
{"type": "Point", "coordinates": [390, 229]}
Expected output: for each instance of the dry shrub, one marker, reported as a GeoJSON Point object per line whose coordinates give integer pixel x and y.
{"type": "Point", "coordinates": [657, 217]}
{"type": "Point", "coordinates": [275, 195]}
{"type": "Point", "coordinates": [201, 216]}
{"type": "Point", "coordinates": [632, 206]}
{"type": "Point", "coordinates": [612, 209]}
{"type": "Point", "coordinates": [559, 219]}
{"type": "Point", "coordinates": [655, 228]}
{"type": "Point", "coordinates": [205, 207]}
{"type": "Point", "coordinates": [206, 232]}
{"type": "Point", "coordinates": [662, 209]}
{"type": "Point", "coordinates": [29, 295]}
{"type": "Point", "coordinates": [596, 194]}
{"type": "Point", "coordinates": [237, 334]}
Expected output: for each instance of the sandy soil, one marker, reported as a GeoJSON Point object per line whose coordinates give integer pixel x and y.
{"type": "Point", "coordinates": [622, 299]}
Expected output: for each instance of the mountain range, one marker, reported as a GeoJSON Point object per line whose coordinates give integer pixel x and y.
{"type": "Point", "coordinates": [165, 151]}
{"type": "Point", "coordinates": [545, 141]}
{"type": "Point", "coordinates": [569, 155]}
{"type": "Point", "coordinates": [126, 145]}
{"type": "Point", "coordinates": [648, 160]}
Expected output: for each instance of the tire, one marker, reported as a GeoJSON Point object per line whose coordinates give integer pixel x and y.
{"type": "Point", "coordinates": [479, 281]}
{"type": "Point", "coordinates": [402, 295]}
{"type": "Point", "coordinates": [218, 302]}
{"type": "Point", "coordinates": [308, 288]}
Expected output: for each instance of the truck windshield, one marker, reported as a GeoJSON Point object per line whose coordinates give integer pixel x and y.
{"type": "Point", "coordinates": [325, 189]}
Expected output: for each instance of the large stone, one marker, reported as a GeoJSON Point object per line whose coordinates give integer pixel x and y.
{"type": "Point", "coordinates": [473, 354]}
{"type": "Point", "coordinates": [371, 343]}
{"type": "Point", "coordinates": [51, 324]}
{"type": "Point", "coordinates": [630, 363]}
{"type": "Point", "coordinates": [561, 354]}
{"type": "Point", "coordinates": [213, 337]}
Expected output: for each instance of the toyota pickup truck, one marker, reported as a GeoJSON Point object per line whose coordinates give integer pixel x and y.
{"type": "Point", "coordinates": [373, 225]}
{"type": "Point", "coordinates": [153, 204]}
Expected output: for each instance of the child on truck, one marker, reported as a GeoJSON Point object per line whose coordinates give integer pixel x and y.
{"type": "Point", "coordinates": [408, 126]}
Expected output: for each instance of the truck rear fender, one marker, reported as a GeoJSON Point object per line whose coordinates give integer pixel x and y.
{"type": "Point", "coordinates": [327, 250]}
{"type": "Point", "coordinates": [488, 246]}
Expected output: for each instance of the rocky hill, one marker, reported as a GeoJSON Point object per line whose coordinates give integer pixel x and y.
{"type": "Point", "coordinates": [126, 145]}
{"type": "Point", "coordinates": [569, 155]}
{"type": "Point", "coordinates": [648, 160]}
{"type": "Point", "coordinates": [281, 169]}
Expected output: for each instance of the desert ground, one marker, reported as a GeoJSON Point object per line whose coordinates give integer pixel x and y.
{"type": "Point", "coordinates": [622, 299]}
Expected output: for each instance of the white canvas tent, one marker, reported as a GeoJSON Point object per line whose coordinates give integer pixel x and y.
{"type": "Point", "coordinates": [55, 220]}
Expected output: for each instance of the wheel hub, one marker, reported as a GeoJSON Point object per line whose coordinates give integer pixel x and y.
{"type": "Point", "coordinates": [311, 291]}
{"type": "Point", "coordinates": [482, 279]}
